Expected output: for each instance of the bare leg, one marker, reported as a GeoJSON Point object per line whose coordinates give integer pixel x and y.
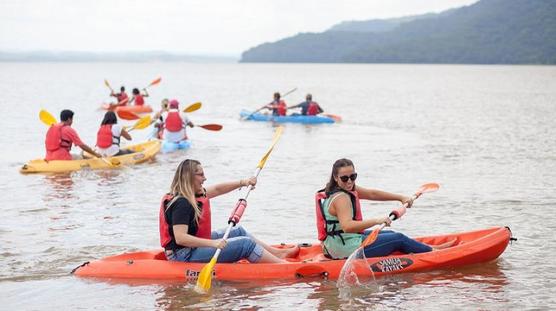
{"type": "Point", "coordinates": [278, 252]}
{"type": "Point", "coordinates": [444, 245]}
{"type": "Point", "coordinates": [267, 257]}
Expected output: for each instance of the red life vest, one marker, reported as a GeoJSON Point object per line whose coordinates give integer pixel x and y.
{"type": "Point", "coordinates": [54, 139]}
{"type": "Point", "coordinates": [139, 100]}
{"type": "Point", "coordinates": [320, 196]}
{"type": "Point", "coordinates": [121, 97]}
{"type": "Point", "coordinates": [173, 122]}
{"type": "Point", "coordinates": [203, 230]}
{"type": "Point", "coordinates": [313, 109]}
{"type": "Point", "coordinates": [105, 138]}
{"type": "Point", "coordinates": [282, 108]}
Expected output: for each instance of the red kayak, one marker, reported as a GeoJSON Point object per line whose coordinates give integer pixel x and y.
{"type": "Point", "coordinates": [471, 248]}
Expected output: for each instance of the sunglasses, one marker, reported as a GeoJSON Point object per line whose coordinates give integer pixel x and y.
{"type": "Point", "coordinates": [345, 178]}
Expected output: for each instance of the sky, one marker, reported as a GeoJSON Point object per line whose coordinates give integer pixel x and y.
{"type": "Point", "coordinates": [197, 27]}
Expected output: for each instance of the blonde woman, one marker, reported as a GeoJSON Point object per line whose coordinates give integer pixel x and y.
{"type": "Point", "coordinates": [185, 222]}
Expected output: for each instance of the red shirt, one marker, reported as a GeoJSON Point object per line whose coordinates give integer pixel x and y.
{"type": "Point", "coordinates": [69, 134]}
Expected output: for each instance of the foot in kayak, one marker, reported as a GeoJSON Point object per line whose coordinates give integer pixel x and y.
{"type": "Point", "coordinates": [289, 252]}
{"type": "Point", "coordinates": [445, 245]}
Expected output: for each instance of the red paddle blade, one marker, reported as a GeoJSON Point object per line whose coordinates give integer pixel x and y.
{"type": "Point", "coordinates": [211, 127]}
{"type": "Point", "coordinates": [371, 238]}
{"type": "Point", "coordinates": [127, 115]}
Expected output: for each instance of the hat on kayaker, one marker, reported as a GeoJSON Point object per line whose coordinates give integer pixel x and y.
{"type": "Point", "coordinates": [174, 104]}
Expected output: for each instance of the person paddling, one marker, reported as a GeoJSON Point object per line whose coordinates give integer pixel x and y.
{"type": "Point", "coordinates": [157, 119]}
{"type": "Point", "coordinates": [185, 222]}
{"type": "Point", "coordinates": [277, 106]}
{"type": "Point", "coordinates": [174, 123]}
{"type": "Point", "coordinates": [340, 224]}
{"type": "Point", "coordinates": [308, 107]}
{"type": "Point", "coordinates": [121, 97]}
{"type": "Point", "coordinates": [109, 135]}
{"type": "Point", "coordinates": [138, 97]}
{"type": "Point", "coordinates": [61, 136]}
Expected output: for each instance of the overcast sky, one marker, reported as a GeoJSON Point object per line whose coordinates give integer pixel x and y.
{"type": "Point", "coordinates": [217, 27]}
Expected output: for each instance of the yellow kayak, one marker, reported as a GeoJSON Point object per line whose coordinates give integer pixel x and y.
{"type": "Point", "coordinates": [141, 153]}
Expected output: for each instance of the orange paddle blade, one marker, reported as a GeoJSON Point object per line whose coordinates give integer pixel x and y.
{"type": "Point", "coordinates": [371, 238]}
{"type": "Point", "coordinates": [127, 115]}
{"type": "Point", "coordinates": [211, 127]}
{"type": "Point", "coordinates": [193, 107]}
{"type": "Point", "coordinates": [156, 81]}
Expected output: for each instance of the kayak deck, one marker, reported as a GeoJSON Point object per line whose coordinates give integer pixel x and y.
{"type": "Point", "coordinates": [249, 115]}
{"type": "Point", "coordinates": [471, 248]}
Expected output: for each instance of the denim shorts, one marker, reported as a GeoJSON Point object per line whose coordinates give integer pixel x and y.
{"type": "Point", "coordinates": [240, 245]}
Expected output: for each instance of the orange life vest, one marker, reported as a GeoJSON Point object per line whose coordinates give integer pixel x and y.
{"type": "Point", "coordinates": [313, 109]}
{"type": "Point", "coordinates": [54, 139]}
{"type": "Point", "coordinates": [105, 138]}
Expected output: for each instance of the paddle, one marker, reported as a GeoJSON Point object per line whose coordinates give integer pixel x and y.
{"type": "Point", "coordinates": [211, 127]}
{"type": "Point", "coordinates": [193, 107]}
{"type": "Point", "coordinates": [154, 82]}
{"type": "Point", "coordinates": [286, 94]}
{"type": "Point", "coordinates": [48, 119]}
{"type": "Point", "coordinates": [108, 85]}
{"type": "Point", "coordinates": [126, 114]}
{"type": "Point", "coordinates": [141, 123]}
{"type": "Point", "coordinates": [334, 117]}
{"type": "Point", "coordinates": [205, 276]}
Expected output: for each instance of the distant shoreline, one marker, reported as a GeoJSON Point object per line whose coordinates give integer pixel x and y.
{"type": "Point", "coordinates": [112, 57]}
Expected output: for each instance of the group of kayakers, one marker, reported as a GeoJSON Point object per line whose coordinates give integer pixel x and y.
{"type": "Point", "coordinates": [170, 123]}
{"type": "Point", "coordinates": [185, 211]}
{"type": "Point", "coordinates": [137, 98]}
{"type": "Point", "coordinates": [186, 232]}
{"type": "Point", "coordinates": [279, 107]}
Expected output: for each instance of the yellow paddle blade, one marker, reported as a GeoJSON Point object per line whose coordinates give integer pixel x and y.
{"type": "Point", "coordinates": [277, 135]}
{"type": "Point", "coordinates": [193, 107]}
{"type": "Point", "coordinates": [142, 123]}
{"type": "Point", "coordinates": [205, 277]}
{"type": "Point", "coordinates": [107, 84]}
{"type": "Point", "coordinates": [47, 118]}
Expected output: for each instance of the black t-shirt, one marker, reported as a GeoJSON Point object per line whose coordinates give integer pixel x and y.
{"type": "Point", "coordinates": [180, 213]}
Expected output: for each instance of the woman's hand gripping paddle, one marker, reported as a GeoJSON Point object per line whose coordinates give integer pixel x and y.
{"type": "Point", "coordinates": [205, 276]}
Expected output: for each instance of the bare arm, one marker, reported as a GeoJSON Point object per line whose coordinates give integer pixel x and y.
{"type": "Point", "coordinates": [341, 208]}
{"type": "Point", "coordinates": [379, 195]}
{"type": "Point", "coordinates": [188, 240]}
{"type": "Point", "coordinates": [219, 189]}
{"type": "Point", "coordinates": [125, 134]}
{"type": "Point", "coordinates": [90, 150]}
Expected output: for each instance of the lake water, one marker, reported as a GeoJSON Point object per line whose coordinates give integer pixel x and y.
{"type": "Point", "coordinates": [486, 134]}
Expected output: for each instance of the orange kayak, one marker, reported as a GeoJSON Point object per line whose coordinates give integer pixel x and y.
{"type": "Point", "coordinates": [134, 109]}
{"type": "Point", "coordinates": [471, 248]}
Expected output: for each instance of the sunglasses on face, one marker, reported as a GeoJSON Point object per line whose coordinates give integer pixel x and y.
{"type": "Point", "coordinates": [345, 178]}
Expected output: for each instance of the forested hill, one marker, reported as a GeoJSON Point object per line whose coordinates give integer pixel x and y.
{"type": "Point", "coordinates": [487, 32]}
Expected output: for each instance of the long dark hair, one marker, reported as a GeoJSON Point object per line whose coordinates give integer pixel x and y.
{"type": "Point", "coordinates": [109, 118]}
{"type": "Point", "coordinates": [332, 185]}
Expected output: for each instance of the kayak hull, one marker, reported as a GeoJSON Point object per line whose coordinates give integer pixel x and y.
{"type": "Point", "coordinates": [168, 146]}
{"type": "Point", "coordinates": [142, 152]}
{"type": "Point", "coordinates": [132, 108]}
{"type": "Point", "coordinates": [249, 115]}
{"type": "Point", "coordinates": [472, 247]}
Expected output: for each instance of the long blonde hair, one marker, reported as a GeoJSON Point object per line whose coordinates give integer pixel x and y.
{"type": "Point", "coordinates": [182, 185]}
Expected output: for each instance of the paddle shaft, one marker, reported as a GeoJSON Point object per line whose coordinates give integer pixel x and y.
{"type": "Point", "coordinates": [231, 224]}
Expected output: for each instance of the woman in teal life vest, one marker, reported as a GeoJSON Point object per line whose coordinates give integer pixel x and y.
{"type": "Point", "coordinates": [341, 226]}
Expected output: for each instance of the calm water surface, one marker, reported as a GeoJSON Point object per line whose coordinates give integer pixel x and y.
{"type": "Point", "coordinates": [485, 133]}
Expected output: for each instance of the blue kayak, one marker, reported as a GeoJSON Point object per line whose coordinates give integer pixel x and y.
{"type": "Point", "coordinates": [249, 115]}
{"type": "Point", "coordinates": [168, 146]}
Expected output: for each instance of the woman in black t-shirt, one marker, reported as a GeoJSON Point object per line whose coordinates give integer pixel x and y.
{"type": "Point", "coordinates": [185, 225]}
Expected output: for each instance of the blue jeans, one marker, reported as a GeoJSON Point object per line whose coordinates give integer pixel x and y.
{"type": "Point", "coordinates": [240, 245]}
{"type": "Point", "coordinates": [388, 242]}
